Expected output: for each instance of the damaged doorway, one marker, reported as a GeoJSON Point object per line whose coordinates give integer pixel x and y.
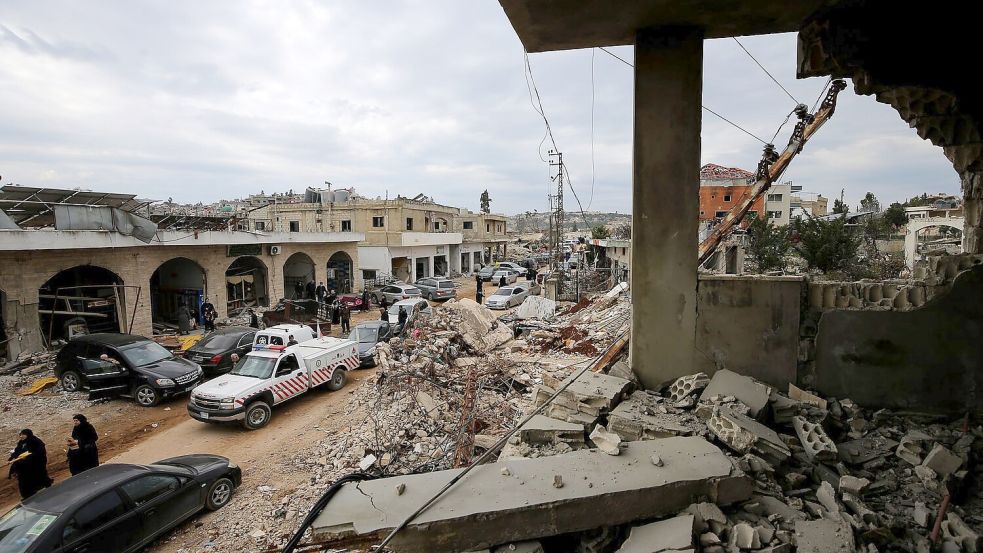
{"type": "Point", "coordinates": [440, 267]}
{"type": "Point", "coordinates": [176, 283]}
{"type": "Point", "coordinates": [81, 300]}
{"type": "Point", "coordinates": [340, 273]}
{"type": "Point", "coordinates": [297, 272]}
{"type": "Point", "coordinates": [245, 285]}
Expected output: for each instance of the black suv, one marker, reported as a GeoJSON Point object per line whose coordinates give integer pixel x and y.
{"type": "Point", "coordinates": [124, 365]}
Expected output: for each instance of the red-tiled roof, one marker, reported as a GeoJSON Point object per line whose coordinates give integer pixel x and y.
{"type": "Point", "coordinates": [711, 171]}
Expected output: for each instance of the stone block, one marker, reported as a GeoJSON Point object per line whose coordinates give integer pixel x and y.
{"type": "Point", "coordinates": [687, 385]}
{"type": "Point", "coordinates": [752, 393]}
{"type": "Point", "coordinates": [674, 534]}
{"type": "Point", "coordinates": [942, 461]}
{"type": "Point", "coordinates": [744, 435]}
{"type": "Point", "coordinates": [814, 440]}
{"type": "Point", "coordinates": [608, 442]}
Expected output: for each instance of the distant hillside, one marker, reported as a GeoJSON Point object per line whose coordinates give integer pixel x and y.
{"type": "Point", "coordinates": [573, 221]}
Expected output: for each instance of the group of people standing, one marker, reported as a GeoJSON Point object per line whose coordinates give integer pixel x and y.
{"type": "Point", "coordinates": [29, 458]}
{"type": "Point", "coordinates": [187, 318]}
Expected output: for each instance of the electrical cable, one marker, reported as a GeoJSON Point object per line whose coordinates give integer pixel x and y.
{"type": "Point", "coordinates": [617, 57]}
{"type": "Point", "coordinates": [766, 71]}
{"type": "Point", "coordinates": [319, 506]}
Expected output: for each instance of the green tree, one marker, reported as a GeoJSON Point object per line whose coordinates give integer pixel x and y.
{"type": "Point", "coordinates": [600, 232]}
{"type": "Point", "coordinates": [826, 245]}
{"type": "Point", "coordinates": [839, 206]}
{"type": "Point", "coordinates": [767, 244]}
{"type": "Point", "coordinates": [870, 203]}
{"type": "Point", "coordinates": [895, 216]}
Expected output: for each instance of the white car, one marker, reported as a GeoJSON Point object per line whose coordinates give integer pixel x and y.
{"type": "Point", "coordinates": [506, 297]}
{"type": "Point", "coordinates": [510, 276]}
{"type": "Point", "coordinates": [513, 267]}
{"type": "Point", "coordinates": [413, 309]}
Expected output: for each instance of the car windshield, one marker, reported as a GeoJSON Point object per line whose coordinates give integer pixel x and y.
{"type": "Point", "coordinates": [503, 292]}
{"type": "Point", "coordinates": [217, 342]}
{"type": "Point", "coordinates": [365, 334]}
{"type": "Point", "coordinates": [20, 528]}
{"type": "Point", "coordinates": [445, 284]}
{"type": "Point", "coordinates": [144, 353]}
{"type": "Point", "coordinates": [254, 366]}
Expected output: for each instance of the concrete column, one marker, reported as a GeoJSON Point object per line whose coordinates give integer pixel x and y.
{"type": "Point", "coordinates": [665, 202]}
{"type": "Point", "coordinates": [429, 272]}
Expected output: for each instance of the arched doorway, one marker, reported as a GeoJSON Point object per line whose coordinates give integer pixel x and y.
{"type": "Point", "coordinates": [932, 236]}
{"type": "Point", "coordinates": [81, 300]}
{"type": "Point", "coordinates": [245, 285]}
{"type": "Point", "coordinates": [340, 273]}
{"type": "Point", "coordinates": [297, 272]}
{"type": "Point", "coordinates": [179, 281]}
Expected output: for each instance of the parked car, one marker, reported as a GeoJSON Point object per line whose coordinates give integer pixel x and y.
{"type": "Point", "coordinates": [368, 334]}
{"type": "Point", "coordinates": [213, 353]}
{"type": "Point", "coordinates": [352, 301]}
{"type": "Point", "coordinates": [132, 366]}
{"type": "Point", "coordinates": [532, 286]}
{"type": "Point", "coordinates": [414, 307]}
{"type": "Point", "coordinates": [307, 312]}
{"type": "Point", "coordinates": [510, 276]}
{"type": "Point", "coordinates": [396, 292]}
{"type": "Point", "coordinates": [486, 273]}
{"type": "Point", "coordinates": [118, 507]}
{"type": "Point", "coordinates": [506, 297]}
{"type": "Point", "coordinates": [513, 266]}
{"type": "Point", "coordinates": [437, 288]}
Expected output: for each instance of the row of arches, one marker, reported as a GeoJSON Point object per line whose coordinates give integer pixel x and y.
{"type": "Point", "coordinates": [89, 298]}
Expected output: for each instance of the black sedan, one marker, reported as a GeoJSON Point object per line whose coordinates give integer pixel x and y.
{"type": "Point", "coordinates": [110, 364]}
{"type": "Point", "coordinates": [214, 352]}
{"type": "Point", "coordinates": [368, 334]}
{"type": "Point", "coordinates": [118, 508]}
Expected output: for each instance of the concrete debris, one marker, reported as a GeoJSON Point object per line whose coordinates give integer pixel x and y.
{"type": "Point", "coordinates": [956, 531]}
{"type": "Point", "coordinates": [823, 536]}
{"type": "Point", "coordinates": [853, 485]}
{"type": "Point", "coordinates": [686, 385]}
{"type": "Point", "coordinates": [750, 392]}
{"type": "Point", "coordinates": [744, 435]}
{"type": "Point", "coordinates": [621, 369]}
{"type": "Point", "coordinates": [743, 536]}
{"type": "Point", "coordinates": [798, 394]}
{"type": "Point", "coordinates": [920, 514]}
{"type": "Point", "coordinates": [367, 462]}
{"type": "Point", "coordinates": [608, 442]}
{"type": "Point", "coordinates": [674, 534]}
{"type": "Point", "coordinates": [598, 490]}
{"type": "Point", "coordinates": [910, 449]}
{"type": "Point", "coordinates": [536, 307]}
{"type": "Point", "coordinates": [544, 430]}
{"type": "Point", "coordinates": [520, 547]}
{"type": "Point", "coordinates": [814, 440]}
{"type": "Point", "coordinates": [591, 393]}
{"type": "Point", "coordinates": [942, 461]}
{"type": "Point", "coordinates": [645, 416]}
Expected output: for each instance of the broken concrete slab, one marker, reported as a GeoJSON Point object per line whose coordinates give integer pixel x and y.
{"type": "Point", "coordinates": [674, 534]}
{"type": "Point", "coordinates": [490, 508]}
{"type": "Point", "coordinates": [536, 307]}
{"type": "Point", "coordinates": [770, 507]}
{"type": "Point", "coordinates": [823, 536]}
{"type": "Point", "coordinates": [752, 393]}
{"type": "Point", "coordinates": [910, 449]}
{"type": "Point", "coordinates": [954, 529]}
{"type": "Point", "coordinates": [942, 461]}
{"type": "Point", "coordinates": [591, 393]}
{"type": "Point", "coordinates": [802, 396]}
{"type": "Point", "coordinates": [814, 440]}
{"type": "Point", "coordinates": [545, 430]}
{"type": "Point", "coordinates": [743, 435]}
{"type": "Point", "coordinates": [643, 416]}
{"type": "Point", "coordinates": [621, 370]}
{"type": "Point", "coordinates": [783, 409]}
{"type": "Point", "coordinates": [858, 452]}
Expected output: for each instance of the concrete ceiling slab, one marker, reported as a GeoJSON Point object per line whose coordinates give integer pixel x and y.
{"type": "Point", "coordinates": [545, 25]}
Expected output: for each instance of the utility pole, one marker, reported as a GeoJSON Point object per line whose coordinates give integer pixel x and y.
{"type": "Point", "coordinates": [556, 205]}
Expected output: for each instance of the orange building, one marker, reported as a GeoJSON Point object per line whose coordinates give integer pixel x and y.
{"type": "Point", "coordinates": [720, 190]}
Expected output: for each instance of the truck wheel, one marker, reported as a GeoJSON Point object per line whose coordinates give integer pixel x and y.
{"type": "Point", "coordinates": [146, 396]}
{"type": "Point", "coordinates": [71, 381]}
{"type": "Point", "coordinates": [219, 494]}
{"type": "Point", "coordinates": [338, 378]}
{"type": "Point", "coordinates": [257, 415]}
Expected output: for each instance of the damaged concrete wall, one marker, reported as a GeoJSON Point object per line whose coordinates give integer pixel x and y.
{"type": "Point", "coordinates": [928, 358]}
{"type": "Point", "coordinates": [749, 325]}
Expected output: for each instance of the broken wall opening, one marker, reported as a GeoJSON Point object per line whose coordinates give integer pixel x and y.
{"type": "Point", "coordinates": [179, 282]}
{"type": "Point", "coordinates": [938, 240]}
{"type": "Point", "coordinates": [81, 300]}
{"type": "Point", "coordinates": [297, 272]}
{"type": "Point", "coordinates": [340, 273]}
{"type": "Point", "coordinates": [246, 285]}
{"type": "Point", "coordinates": [440, 267]}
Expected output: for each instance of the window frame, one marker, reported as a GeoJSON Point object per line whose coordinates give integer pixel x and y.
{"type": "Point", "coordinates": [346, 225]}
{"type": "Point", "coordinates": [82, 534]}
{"type": "Point", "coordinates": [378, 221]}
{"type": "Point", "coordinates": [292, 225]}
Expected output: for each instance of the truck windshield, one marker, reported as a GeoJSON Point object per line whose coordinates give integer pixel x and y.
{"type": "Point", "coordinates": [254, 367]}
{"type": "Point", "coordinates": [144, 353]}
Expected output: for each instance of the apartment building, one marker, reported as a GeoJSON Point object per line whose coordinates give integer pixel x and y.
{"type": "Point", "coordinates": [721, 188]}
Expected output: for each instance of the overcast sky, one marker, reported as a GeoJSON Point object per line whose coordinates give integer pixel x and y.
{"type": "Point", "coordinates": [201, 101]}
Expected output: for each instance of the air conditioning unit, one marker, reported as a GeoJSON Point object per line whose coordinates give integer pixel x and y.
{"type": "Point", "coordinates": [274, 250]}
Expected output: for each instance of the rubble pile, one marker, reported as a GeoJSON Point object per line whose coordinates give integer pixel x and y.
{"type": "Point", "coordinates": [21, 410]}
{"type": "Point", "coordinates": [585, 328]}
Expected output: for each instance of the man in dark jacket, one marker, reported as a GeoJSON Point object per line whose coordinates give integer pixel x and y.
{"type": "Point", "coordinates": [298, 290]}
{"type": "Point", "coordinates": [310, 290]}
{"type": "Point", "coordinates": [29, 464]}
{"type": "Point", "coordinates": [502, 281]}
{"type": "Point", "coordinates": [365, 300]}
{"type": "Point", "coordinates": [385, 314]}
{"type": "Point", "coordinates": [346, 319]}
{"type": "Point", "coordinates": [321, 292]}
{"type": "Point", "coordinates": [402, 317]}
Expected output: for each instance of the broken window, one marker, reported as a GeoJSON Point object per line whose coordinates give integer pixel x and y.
{"type": "Point", "coordinates": [378, 222]}
{"type": "Point", "coordinates": [294, 226]}
{"type": "Point", "coordinates": [720, 214]}
{"type": "Point", "coordinates": [260, 225]}
{"type": "Point", "coordinates": [346, 226]}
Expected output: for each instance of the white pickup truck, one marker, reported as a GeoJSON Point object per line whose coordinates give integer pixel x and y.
{"type": "Point", "coordinates": [270, 375]}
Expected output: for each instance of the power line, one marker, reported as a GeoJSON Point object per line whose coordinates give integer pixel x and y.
{"type": "Point", "coordinates": [766, 71]}
{"type": "Point", "coordinates": [736, 126]}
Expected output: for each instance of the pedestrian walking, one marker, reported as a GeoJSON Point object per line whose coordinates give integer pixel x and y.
{"type": "Point", "coordinates": [82, 451]}
{"type": "Point", "coordinates": [209, 314]}
{"type": "Point", "coordinates": [29, 464]}
{"type": "Point", "coordinates": [253, 319]}
{"type": "Point", "coordinates": [346, 319]}
{"type": "Point", "coordinates": [183, 319]}
{"type": "Point", "coordinates": [402, 318]}
{"type": "Point", "coordinates": [384, 316]}
{"type": "Point", "coordinates": [365, 300]}
{"type": "Point", "coordinates": [321, 291]}
{"type": "Point", "coordinates": [502, 282]}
